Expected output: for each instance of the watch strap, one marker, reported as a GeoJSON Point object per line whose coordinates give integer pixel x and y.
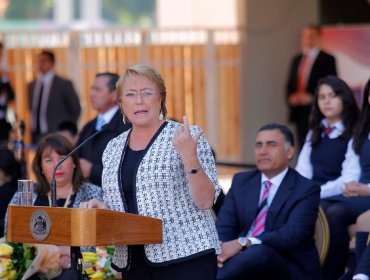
{"type": "Point", "coordinates": [193, 170]}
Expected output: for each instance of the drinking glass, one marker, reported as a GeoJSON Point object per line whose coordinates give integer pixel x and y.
{"type": "Point", "coordinates": [25, 192]}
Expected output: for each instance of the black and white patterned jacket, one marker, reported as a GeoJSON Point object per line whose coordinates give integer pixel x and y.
{"type": "Point", "coordinates": [162, 192]}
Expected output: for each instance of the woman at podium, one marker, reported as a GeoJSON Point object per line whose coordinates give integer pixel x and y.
{"type": "Point", "coordinates": [161, 169]}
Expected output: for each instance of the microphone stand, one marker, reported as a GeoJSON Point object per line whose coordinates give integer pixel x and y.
{"type": "Point", "coordinates": [76, 266]}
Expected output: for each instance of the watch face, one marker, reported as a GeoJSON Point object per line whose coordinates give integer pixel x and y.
{"type": "Point", "coordinates": [243, 241]}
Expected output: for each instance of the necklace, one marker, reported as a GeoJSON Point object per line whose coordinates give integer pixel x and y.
{"type": "Point", "coordinates": [66, 203]}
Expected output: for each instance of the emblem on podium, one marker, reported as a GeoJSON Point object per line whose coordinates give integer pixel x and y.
{"type": "Point", "coordinates": [40, 225]}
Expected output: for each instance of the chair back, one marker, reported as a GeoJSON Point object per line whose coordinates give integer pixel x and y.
{"type": "Point", "coordinates": [322, 238]}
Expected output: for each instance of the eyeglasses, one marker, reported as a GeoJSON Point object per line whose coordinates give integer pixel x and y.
{"type": "Point", "coordinates": [145, 94]}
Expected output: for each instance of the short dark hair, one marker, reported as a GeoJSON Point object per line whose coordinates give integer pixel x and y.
{"type": "Point", "coordinates": [49, 54]}
{"type": "Point", "coordinates": [288, 135]}
{"type": "Point", "coordinates": [315, 27]}
{"type": "Point", "coordinates": [68, 126]}
{"type": "Point", "coordinates": [113, 78]}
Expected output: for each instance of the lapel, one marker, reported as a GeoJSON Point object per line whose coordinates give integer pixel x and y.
{"type": "Point", "coordinates": [285, 190]}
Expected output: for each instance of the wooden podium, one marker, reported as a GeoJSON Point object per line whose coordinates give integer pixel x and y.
{"type": "Point", "coordinates": [80, 227]}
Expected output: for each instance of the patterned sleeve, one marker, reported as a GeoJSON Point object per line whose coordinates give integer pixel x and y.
{"type": "Point", "coordinates": [207, 160]}
{"type": "Point", "coordinates": [87, 192]}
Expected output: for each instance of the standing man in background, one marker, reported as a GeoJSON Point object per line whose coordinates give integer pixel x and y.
{"type": "Point", "coordinates": [104, 100]}
{"type": "Point", "coordinates": [52, 99]}
{"type": "Point", "coordinates": [306, 69]}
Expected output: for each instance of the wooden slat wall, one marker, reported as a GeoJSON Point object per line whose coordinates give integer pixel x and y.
{"type": "Point", "coordinates": [183, 69]}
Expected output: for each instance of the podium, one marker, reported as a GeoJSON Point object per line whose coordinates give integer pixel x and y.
{"type": "Point", "coordinates": [78, 227]}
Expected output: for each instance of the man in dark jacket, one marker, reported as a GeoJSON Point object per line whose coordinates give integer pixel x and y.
{"type": "Point", "coordinates": [306, 70]}
{"type": "Point", "coordinates": [267, 222]}
{"type": "Point", "coordinates": [104, 100]}
{"type": "Point", "coordinates": [52, 98]}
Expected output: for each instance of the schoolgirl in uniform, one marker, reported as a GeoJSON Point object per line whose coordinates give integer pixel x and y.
{"type": "Point", "coordinates": [322, 159]}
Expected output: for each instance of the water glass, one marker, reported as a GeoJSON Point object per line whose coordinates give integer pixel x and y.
{"type": "Point", "coordinates": [25, 192]}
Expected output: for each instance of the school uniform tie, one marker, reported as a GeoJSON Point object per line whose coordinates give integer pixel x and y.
{"type": "Point", "coordinates": [259, 223]}
{"type": "Point", "coordinates": [328, 130]}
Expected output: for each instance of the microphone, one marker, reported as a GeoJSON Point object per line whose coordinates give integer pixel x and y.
{"type": "Point", "coordinates": [53, 181]}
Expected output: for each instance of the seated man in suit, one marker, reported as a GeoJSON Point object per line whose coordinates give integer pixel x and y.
{"type": "Point", "coordinates": [267, 222]}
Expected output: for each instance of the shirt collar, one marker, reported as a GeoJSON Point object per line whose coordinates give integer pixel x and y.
{"type": "Point", "coordinates": [47, 77]}
{"type": "Point", "coordinates": [276, 181]}
{"type": "Point", "coordinates": [108, 115]}
{"type": "Point", "coordinates": [339, 127]}
{"type": "Point", "coordinates": [313, 53]}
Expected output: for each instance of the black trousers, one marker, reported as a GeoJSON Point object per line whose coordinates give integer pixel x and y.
{"type": "Point", "coordinates": [200, 268]}
{"type": "Point", "coordinates": [255, 263]}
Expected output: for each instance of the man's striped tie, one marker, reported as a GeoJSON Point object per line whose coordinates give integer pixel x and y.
{"type": "Point", "coordinates": [259, 223]}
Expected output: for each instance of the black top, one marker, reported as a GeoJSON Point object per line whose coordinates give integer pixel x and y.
{"type": "Point", "coordinates": [131, 160]}
{"type": "Point", "coordinates": [43, 200]}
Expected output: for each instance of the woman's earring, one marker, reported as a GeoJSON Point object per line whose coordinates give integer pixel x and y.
{"type": "Point", "coordinates": [161, 116]}
{"type": "Point", "coordinates": [123, 118]}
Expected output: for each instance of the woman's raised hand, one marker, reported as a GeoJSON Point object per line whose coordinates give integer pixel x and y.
{"type": "Point", "coordinates": [185, 144]}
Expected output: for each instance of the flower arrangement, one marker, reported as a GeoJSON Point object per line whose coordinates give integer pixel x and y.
{"type": "Point", "coordinates": [96, 265]}
{"type": "Point", "coordinates": [15, 258]}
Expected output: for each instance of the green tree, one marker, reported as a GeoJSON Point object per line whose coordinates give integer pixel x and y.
{"type": "Point", "coordinates": [29, 10]}
{"type": "Point", "coordinates": [129, 12]}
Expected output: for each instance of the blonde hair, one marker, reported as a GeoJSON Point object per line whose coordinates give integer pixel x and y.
{"type": "Point", "coordinates": [148, 72]}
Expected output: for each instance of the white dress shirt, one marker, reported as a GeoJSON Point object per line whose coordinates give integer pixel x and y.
{"type": "Point", "coordinates": [352, 171]}
{"type": "Point", "coordinates": [45, 80]}
{"type": "Point", "coordinates": [108, 115]}
{"type": "Point", "coordinates": [275, 183]}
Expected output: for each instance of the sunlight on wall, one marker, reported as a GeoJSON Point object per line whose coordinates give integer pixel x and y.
{"type": "Point", "coordinates": [196, 13]}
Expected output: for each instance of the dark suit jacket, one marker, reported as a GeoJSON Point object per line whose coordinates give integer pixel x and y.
{"type": "Point", "coordinates": [93, 150]}
{"type": "Point", "coordinates": [7, 192]}
{"type": "Point", "coordinates": [323, 66]}
{"type": "Point", "coordinates": [5, 87]}
{"type": "Point", "coordinates": [63, 104]}
{"type": "Point", "coordinates": [5, 126]}
{"type": "Point", "coordinates": [290, 220]}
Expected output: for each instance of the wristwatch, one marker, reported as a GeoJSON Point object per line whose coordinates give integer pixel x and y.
{"type": "Point", "coordinates": [243, 241]}
{"type": "Point", "coordinates": [193, 170]}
